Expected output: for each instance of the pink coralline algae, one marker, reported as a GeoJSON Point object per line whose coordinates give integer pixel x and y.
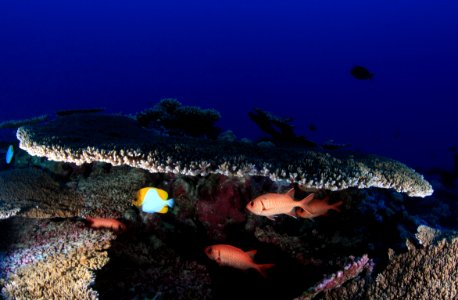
{"type": "Point", "coordinates": [350, 271]}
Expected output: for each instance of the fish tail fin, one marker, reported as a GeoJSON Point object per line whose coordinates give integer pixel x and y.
{"type": "Point", "coordinates": [336, 206]}
{"type": "Point", "coordinates": [262, 269]}
{"type": "Point", "coordinates": [170, 202]}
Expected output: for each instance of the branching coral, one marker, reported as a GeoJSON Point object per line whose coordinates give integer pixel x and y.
{"type": "Point", "coordinates": [120, 141]}
{"type": "Point", "coordinates": [109, 194]}
{"type": "Point", "coordinates": [37, 194]}
{"type": "Point", "coordinates": [52, 260]}
{"type": "Point", "coordinates": [61, 276]}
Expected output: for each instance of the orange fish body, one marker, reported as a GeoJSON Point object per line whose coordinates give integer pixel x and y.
{"type": "Point", "coordinates": [108, 223]}
{"type": "Point", "coordinates": [317, 207]}
{"type": "Point", "coordinates": [272, 204]}
{"type": "Point", "coordinates": [227, 255]}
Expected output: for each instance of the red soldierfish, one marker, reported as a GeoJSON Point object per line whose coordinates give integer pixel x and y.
{"type": "Point", "coordinates": [272, 204]}
{"type": "Point", "coordinates": [317, 207]}
{"type": "Point", "coordinates": [227, 255]}
{"type": "Point", "coordinates": [108, 223]}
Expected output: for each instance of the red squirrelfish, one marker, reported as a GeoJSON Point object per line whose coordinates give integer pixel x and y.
{"type": "Point", "coordinates": [272, 204]}
{"type": "Point", "coordinates": [317, 207]}
{"type": "Point", "coordinates": [227, 255]}
{"type": "Point", "coordinates": [108, 223]}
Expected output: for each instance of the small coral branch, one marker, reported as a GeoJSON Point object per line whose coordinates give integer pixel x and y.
{"type": "Point", "coordinates": [349, 272]}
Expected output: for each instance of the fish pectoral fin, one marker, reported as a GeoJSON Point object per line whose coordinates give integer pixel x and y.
{"type": "Point", "coordinates": [162, 194]}
{"type": "Point", "coordinates": [164, 210]}
{"type": "Point", "coordinates": [292, 213]}
{"type": "Point", "coordinates": [271, 217]}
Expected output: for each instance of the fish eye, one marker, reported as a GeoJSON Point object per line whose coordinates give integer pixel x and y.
{"type": "Point", "coordinates": [251, 203]}
{"type": "Point", "coordinates": [209, 250]}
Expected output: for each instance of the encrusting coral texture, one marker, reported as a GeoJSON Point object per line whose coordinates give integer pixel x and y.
{"type": "Point", "coordinates": [421, 273]}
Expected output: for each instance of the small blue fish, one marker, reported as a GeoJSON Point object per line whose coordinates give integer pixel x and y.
{"type": "Point", "coordinates": [9, 154]}
{"type": "Point", "coordinates": [153, 200]}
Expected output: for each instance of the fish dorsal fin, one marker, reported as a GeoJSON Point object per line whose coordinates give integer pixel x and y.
{"type": "Point", "coordinates": [251, 253]}
{"type": "Point", "coordinates": [290, 193]}
{"type": "Point", "coordinates": [164, 210]}
{"type": "Point", "coordinates": [162, 194]}
{"type": "Point", "coordinates": [307, 199]}
{"type": "Point", "coordinates": [141, 196]}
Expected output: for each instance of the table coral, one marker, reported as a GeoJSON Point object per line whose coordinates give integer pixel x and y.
{"type": "Point", "coordinates": [120, 140]}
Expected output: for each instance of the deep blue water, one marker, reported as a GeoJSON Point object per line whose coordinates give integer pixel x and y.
{"type": "Point", "coordinates": [291, 58]}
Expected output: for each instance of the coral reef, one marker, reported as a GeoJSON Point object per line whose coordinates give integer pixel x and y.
{"type": "Point", "coordinates": [120, 141]}
{"type": "Point", "coordinates": [178, 119]}
{"type": "Point", "coordinates": [49, 251]}
{"type": "Point", "coordinates": [109, 192]}
{"type": "Point", "coordinates": [421, 273]}
{"type": "Point", "coordinates": [44, 259]}
{"type": "Point", "coordinates": [220, 204]}
{"type": "Point", "coordinates": [36, 194]}
{"type": "Point", "coordinates": [147, 266]}
{"type": "Point", "coordinates": [350, 271]}
{"type": "Point", "coordinates": [163, 256]}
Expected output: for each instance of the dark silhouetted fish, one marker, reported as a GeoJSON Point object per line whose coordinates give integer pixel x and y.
{"type": "Point", "coordinates": [361, 73]}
